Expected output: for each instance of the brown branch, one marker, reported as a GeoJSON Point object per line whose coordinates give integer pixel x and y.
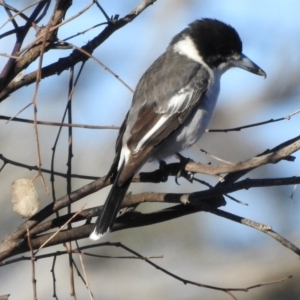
{"type": "Point", "coordinates": [136, 219]}
{"type": "Point", "coordinates": [87, 229]}
{"type": "Point", "coordinates": [272, 156]}
{"type": "Point", "coordinates": [156, 217]}
{"type": "Point", "coordinates": [14, 67]}
{"type": "Point", "coordinates": [65, 63]}
{"type": "Point", "coordinates": [15, 243]}
{"type": "Point", "coordinates": [12, 241]}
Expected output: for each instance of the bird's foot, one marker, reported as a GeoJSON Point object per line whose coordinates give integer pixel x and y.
{"type": "Point", "coordinates": [182, 172]}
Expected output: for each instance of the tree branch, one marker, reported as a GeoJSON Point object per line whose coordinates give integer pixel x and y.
{"type": "Point", "coordinates": [69, 61]}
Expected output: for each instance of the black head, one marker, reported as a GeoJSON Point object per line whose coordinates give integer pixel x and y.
{"type": "Point", "coordinates": [214, 40]}
{"type": "Point", "coordinates": [217, 44]}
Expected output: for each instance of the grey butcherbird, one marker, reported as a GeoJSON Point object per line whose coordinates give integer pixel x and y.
{"type": "Point", "coordinates": [172, 104]}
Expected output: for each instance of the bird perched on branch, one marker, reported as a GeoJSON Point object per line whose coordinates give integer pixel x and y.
{"type": "Point", "coordinates": [172, 104]}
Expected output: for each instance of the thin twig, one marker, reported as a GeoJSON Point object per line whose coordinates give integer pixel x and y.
{"type": "Point", "coordinates": [20, 12]}
{"type": "Point", "coordinates": [7, 161]}
{"type": "Point", "coordinates": [10, 56]}
{"type": "Point", "coordinates": [53, 277]}
{"type": "Point", "coordinates": [272, 156]}
{"type": "Point", "coordinates": [53, 28]}
{"type": "Point", "coordinates": [60, 253]}
{"type": "Point", "coordinates": [258, 226]}
{"type": "Point", "coordinates": [87, 283]}
{"type": "Point", "coordinates": [72, 284]}
{"type": "Point", "coordinates": [84, 31]}
{"type": "Point", "coordinates": [33, 280]}
{"type": "Point", "coordinates": [239, 128]}
{"type": "Point", "coordinates": [61, 228]}
{"type": "Point", "coordinates": [20, 111]}
{"type": "Point", "coordinates": [122, 257]}
{"type": "Point", "coordinates": [99, 63]}
{"type": "Point", "coordinates": [34, 101]}
{"type": "Point", "coordinates": [185, 281]}
{"type": "Point", "coordinates": [74, 57]}
{"type": "Point", "coordinates": [84, 126]}
{"type": "Point", "coordinates": [73, 17]}
{"type": "Point", "coordinates": [103, 11]}
{"type": "Point", "coordinates": [211, 155]}
{"type": "Point", "coordinates": [11, 69]}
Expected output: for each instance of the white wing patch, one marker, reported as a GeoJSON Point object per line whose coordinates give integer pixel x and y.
{"type": "Point", "coordinates": [124, 156]}
{"type": "Point", "coordinates": [175, 104]}
{"type": "Point", "coordinates": [160, 122]}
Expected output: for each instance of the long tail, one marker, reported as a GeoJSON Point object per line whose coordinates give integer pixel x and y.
{"type": "Point", "coordinates": [111, 207]}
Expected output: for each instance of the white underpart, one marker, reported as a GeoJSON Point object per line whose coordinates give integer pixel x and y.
{"type": "Point", "coordinates": [160, 122]}
{"type": "Point", "coordinates": [124, 157]}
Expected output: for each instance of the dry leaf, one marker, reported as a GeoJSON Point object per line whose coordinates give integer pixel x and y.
{"type": "Point", "coordinates": [24, 197]}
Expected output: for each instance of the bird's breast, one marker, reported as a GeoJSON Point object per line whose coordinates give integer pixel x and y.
{"type": "Point", "coordinates": [196, 124]}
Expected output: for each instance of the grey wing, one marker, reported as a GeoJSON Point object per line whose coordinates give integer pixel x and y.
{"type": "Point", "coordinates": [160, 105]}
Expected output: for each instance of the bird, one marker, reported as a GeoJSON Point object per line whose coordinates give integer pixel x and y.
{"type": "Point", "coordinates": [172, 104]}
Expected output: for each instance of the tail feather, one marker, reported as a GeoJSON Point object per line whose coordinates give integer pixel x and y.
{"type": "Point", "coordinates": [111, 207]}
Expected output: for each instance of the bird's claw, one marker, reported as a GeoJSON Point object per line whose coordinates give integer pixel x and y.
{"type": "Point", "coordinates": [182, 172]}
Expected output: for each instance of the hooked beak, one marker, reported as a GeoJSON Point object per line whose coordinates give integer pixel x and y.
{"type": "Point", "coordinates": [247, 64]}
